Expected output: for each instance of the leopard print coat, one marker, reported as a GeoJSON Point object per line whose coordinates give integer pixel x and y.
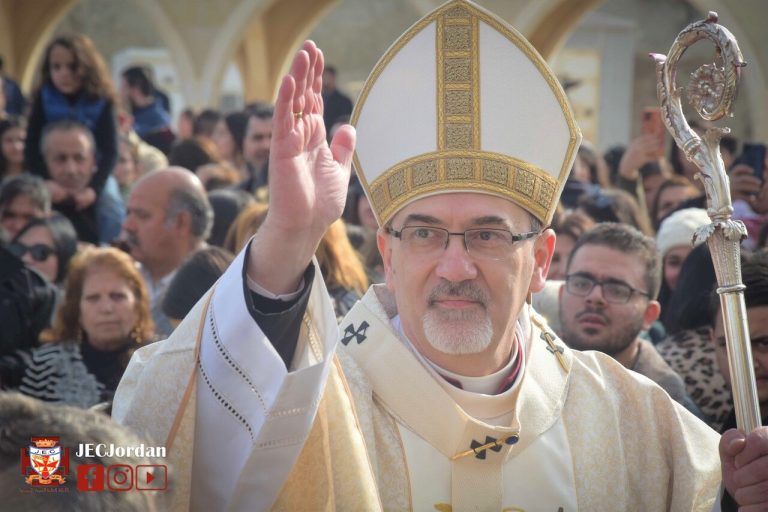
{"type": "Point", "coordinates": [692, 355]}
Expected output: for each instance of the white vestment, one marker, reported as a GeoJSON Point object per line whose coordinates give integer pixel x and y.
{"type": "Point", "coordinates": [592, 435]}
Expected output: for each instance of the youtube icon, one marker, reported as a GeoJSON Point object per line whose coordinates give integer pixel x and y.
{"type": "Point", "coordinates": [152, 477]}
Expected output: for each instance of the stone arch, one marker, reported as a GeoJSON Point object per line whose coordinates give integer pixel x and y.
{"type": "Point", "coordinates": [224, 47]}
{"type": "Point", "coordinates": [175, 42]}
{"type": "Point", "coordinates": [260, 35]}
{"type": "Point", "coordinates": [552, 22]}
{"type": "Point", "coordinates": [269, 41]}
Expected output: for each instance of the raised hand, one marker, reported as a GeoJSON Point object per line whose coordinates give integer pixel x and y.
{"type": "Point", "coordinates": [746, 186]}
{"type": "Point", "coordinates": [307, 178]}
{"type": "Point", "coordinates": [640, 151]}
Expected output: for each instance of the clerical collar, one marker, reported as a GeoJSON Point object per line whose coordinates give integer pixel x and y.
{"type": "Point", "coordinates": [493, 384]}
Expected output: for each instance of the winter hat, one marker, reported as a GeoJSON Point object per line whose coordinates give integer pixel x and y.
{"type": "Point", "coordinates": [678, 229]}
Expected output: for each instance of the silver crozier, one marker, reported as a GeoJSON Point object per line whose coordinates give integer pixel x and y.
{"type": "Point", "coordinates": [711, 91]}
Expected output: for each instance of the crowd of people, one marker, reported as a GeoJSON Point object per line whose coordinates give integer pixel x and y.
{"type": "Point", "coordinates": [95, 179]}
{"type": "Point", "coordinates": [115, 221]}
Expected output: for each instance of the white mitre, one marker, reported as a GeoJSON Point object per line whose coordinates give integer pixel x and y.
{"type": "Point", "coordinates": [462, 102]}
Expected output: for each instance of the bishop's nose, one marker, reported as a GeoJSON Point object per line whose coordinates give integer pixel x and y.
{"type": "Point", "coordinates": [455, 264]}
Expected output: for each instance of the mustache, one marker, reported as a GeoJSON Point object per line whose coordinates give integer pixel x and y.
{"type": "Point", "coordinates": [465, 290]}
{"type": "Point", "coordinates": [595, 312]}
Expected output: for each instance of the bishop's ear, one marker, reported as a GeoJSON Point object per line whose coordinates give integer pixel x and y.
{"type": "Point", "coordinates": [543, 249]}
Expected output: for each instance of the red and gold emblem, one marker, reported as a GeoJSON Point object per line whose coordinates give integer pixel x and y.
{"type": "Point", "coordinates": [48, 461]}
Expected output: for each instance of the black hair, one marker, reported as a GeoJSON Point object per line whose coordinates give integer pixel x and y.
{"type": "Point", "coordinates": [614, 205]}
{"type": "Point", "coordinates": [628, 240]}
{"type": "Point", "coordinates": [205, 122]}
{"type": "Point", "coordinates": [754, 275]}
{"type": "Point", "coordinates": [9, 123]}
{"type": "Point", "coordinates": [226, 205]}
{"type": "Point", "coordinates": [237, 124]}
{"type": "Point", "coordinates": [688, 306]}
{"type": "Point", "coordinates": [139, 77]}
{"type": "Point", "coordinates": [261, 110]}
{"type": "Point", "coordinates": [193, 278]}
{"type": "Point", "coordinates": [25, 184]}
{"type": "Point", "coordinates": [64, 239]}
{"type": "Point", "coordinates": [190, 154]}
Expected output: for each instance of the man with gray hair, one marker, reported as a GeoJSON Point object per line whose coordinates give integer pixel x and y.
{"type": "Point", "coordinates": [168, 218]}
{"type": "Point", "coordinates": [69, 150]}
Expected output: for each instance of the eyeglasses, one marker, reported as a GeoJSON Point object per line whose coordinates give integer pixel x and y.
{"type": "Point", "coordinates": [39, 252]}
{"type": "Point", "coordinates": [485, 243]}
{"type": "Point", "coordinates": [616, 292]}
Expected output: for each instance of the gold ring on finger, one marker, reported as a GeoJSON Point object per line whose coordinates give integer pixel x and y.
{"type": "Point", "coordinates": [298, 115]}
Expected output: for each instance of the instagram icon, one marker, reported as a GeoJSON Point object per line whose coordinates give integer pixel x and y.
{"type": "Point", "coordinates": [119, 477]}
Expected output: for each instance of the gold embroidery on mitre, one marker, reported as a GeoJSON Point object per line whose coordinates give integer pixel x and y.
{"type": "Point", "coordinates": [458, 169]}
{"type": "Point", "coordinates": [458, 84]}
{"type": "Point", "coordinates": [479, 171]}
{"type": "Point", "coordinates": [424, 173]}
{"type": "Point", "coordinates": [458, 69]}
{"type": "Point", "coordinates": [524, 182]}
{"type": "Point", "coordinates": [495, 172]}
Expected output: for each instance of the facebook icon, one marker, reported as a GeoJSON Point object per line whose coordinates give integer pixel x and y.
{"type": "Point", "coordinates": [90, 477]}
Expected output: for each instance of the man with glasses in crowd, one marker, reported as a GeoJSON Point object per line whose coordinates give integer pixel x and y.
{"type": "Point", "coordinates": [609, 298]}
{"type": "Point", "coordinates": [447, 391]}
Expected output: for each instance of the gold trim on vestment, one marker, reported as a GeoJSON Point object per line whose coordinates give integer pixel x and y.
{"type": "Point", "coordinates": [457, 57]}
{"type": "Point", "coordinates": [190, 387]}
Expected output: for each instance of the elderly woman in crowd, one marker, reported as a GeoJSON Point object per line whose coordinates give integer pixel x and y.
{"type": "Point", "coordinates": [47, 245]}
{"type": "Point", "coordinates": [103, 318]}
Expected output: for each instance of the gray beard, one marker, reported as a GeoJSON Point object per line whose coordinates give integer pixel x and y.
{"type": "Point", "coordinates": [457, 333]}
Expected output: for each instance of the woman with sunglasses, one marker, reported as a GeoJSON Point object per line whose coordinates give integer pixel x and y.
{"type": "Point", "coordinates": [46, 245]}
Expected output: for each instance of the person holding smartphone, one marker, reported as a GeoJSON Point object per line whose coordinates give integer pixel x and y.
{"type": "Point", "coordinates": [749, 190]}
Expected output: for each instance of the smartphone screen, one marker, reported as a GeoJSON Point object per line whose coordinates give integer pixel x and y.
{"type": "Point", "coordinates": [652, 124]}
